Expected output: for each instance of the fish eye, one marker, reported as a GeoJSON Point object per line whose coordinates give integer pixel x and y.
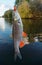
{"type": "Point", "coordinates": [18, 22]}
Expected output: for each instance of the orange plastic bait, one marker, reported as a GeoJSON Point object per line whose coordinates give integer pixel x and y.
{"type": "Point", "coordinates": [22, 43]}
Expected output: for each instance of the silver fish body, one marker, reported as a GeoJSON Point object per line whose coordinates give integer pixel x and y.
{"type": "Point", "coordinates": [18, 29]}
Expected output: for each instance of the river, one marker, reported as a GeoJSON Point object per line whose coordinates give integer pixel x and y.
{"type": "Point", "coordinates": [32, 53]}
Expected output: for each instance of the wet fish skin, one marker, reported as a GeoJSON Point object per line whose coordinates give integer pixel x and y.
{"type": "Point", "coordinates": [17, 34]}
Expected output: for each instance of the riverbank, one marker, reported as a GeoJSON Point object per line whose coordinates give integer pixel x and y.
{"type": "Point", "coordinates": [38, 17]}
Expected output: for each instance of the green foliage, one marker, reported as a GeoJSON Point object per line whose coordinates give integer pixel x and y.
{"type": "Point", "coordinates": [8, 15]}
{"type": "Point", "coordinates": [36, 8]}
{"type": "Point", "coordinates": [28, 0]}
{"type": "Point", "coordinates": [17, 1]}
{"type": "Point", "coordinates": [24, 10]}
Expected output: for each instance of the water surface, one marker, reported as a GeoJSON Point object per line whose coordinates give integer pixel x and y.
{"type": "Point", "coordinates": [32, 53]}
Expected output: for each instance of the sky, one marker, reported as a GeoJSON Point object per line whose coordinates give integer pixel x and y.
{"type": "Point", "coordinates": [6, 5]}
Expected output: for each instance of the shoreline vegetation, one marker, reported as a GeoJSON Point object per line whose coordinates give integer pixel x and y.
{"type": "Point", "coordinates": [26, 9]}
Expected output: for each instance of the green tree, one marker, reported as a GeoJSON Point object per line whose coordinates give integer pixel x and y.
{"type": "Point", "coordinates": [8, 15]}
{"type": "Point", "coordinates": [35, 7]}
{"type": "Point", "coordinates": [17, 1]}
{"type": "Point", "coordinates": [24, 10]}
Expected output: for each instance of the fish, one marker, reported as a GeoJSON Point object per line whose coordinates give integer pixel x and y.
{"type": "Point", "coordinates": [17, 33]}
{"type": "Point", "coordinates": [19, 36]}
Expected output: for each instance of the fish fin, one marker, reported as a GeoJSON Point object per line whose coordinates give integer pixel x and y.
{"type": "Point", "coordinates": [18, 54]}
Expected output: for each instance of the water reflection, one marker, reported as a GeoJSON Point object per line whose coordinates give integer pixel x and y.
{"type": "Point", "coordinates": [5, 29]}
{"type": "Point", "coordinates": [2, 24]}
{"type": "Point", "coordinates": [32, 26]}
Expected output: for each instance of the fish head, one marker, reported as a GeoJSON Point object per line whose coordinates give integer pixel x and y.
{"type": "Point", "coordinates": [17, 19]}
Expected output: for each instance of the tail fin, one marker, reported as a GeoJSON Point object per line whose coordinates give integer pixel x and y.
{"type": "Point", "coordinates": [17, 54]}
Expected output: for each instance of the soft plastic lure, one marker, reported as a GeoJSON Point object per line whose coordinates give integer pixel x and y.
{"type": "Point", "coordinates": [22, 43]}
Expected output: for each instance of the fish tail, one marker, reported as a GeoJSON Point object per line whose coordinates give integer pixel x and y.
{"type": "Point", "coordinates": [17, 51]}
{"type": "Point", "coordinates": [17, 54]}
